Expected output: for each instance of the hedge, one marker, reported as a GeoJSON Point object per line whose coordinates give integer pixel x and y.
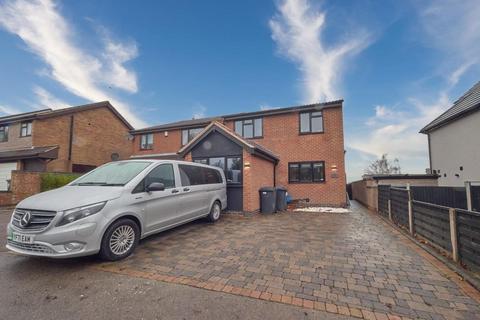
{"type": "Point", "coordinates": [56, 180]}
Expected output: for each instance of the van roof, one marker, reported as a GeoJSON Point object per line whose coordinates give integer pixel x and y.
{"type": "Point", "coordinates": [167, 161]}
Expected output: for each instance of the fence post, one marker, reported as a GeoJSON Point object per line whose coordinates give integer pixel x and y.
{"type": "Point", "coordinates": [390, 210]}
{"type": "Point", "coordinates": [468, 190]}
{"type": "Point", "coordinates": [410, 209]}
{"type": "Point", "coordinates": [452, 213]}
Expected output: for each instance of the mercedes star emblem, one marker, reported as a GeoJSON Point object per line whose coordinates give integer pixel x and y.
{"type": "Point", "coordinates": [26, 219]}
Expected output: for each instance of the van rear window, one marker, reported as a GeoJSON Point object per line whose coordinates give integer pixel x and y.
{"type": "Point", "coordinates": [195, 175]}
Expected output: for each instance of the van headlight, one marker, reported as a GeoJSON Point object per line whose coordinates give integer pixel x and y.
{"type": "Point", "coordinates": [75, 214]}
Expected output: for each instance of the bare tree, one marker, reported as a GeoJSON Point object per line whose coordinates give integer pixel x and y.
{"type": "Point", "coordinates": [384, 166]}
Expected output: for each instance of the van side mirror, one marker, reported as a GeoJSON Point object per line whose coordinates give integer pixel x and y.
{"type": "Point", "coordinates": [155, 186]}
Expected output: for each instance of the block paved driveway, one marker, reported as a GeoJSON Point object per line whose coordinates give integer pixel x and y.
{"type": "Point", "coordinates": [351, 264]}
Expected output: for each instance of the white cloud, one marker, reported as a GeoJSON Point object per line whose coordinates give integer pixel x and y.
{"type": "Point", "coordinates": [297, 29]}
{"type": "Point", "coordinates": [450, 27]}
{"type": "Point", "coordinates": [453, 28]}
{"type": "Point", "coordinates": [397, 133]}
{"type": "Point", "coordinates": [4, 110]}
{"type": "Point", "coordinates": [115, 55]}
{"type": "Point", "coordinates": [265, 106]}
{"type": "Point", "coordinates": [199, 111]}
{"type": "Point", "coordinates": [47, 100]}
{"type": "Point", "coordinates": [86, 74]}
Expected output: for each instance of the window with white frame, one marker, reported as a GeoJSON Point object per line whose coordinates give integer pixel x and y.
{"type": "Point", "coordinates": [3, 133]}
{"type": "Point", "coordinates": [146, 141]}
{"type": "Point", "coordinates": [189, 134]}
{"type": "Point", "coordinates": [311, 122]}
{"type": "Point", "coordinates": [249, 128]}
{"type": "Point", "coordinates": [26, 129]}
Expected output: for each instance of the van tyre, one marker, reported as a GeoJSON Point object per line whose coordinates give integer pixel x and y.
{"type": "Point", "coordinates": [215, 212]}
{"type": "Point", "coordinates": [120, 240]}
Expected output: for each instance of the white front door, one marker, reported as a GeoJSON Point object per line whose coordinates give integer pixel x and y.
{"type": "Point", "coordinates": [6, 174]}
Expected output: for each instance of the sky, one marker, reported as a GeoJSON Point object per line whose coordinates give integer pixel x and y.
{"type": "Point", "coordinates": [396, 64]}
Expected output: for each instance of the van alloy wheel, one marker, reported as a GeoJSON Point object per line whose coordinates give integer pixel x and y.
{"type": "Point", "coordinates": [215, 212]}
{"type": "Point", "coordinates": [122, 239]}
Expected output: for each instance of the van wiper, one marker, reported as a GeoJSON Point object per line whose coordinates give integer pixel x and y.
{"type": "Point", "coordinates": [91, 183]}
{"type": "Point", "coordinates": [103, 184]}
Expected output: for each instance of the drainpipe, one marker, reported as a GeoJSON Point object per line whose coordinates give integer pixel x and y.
{"type": "Point", "coordinates": [274, 174]}
{"type": "Point", "coordinates": [70, 142]}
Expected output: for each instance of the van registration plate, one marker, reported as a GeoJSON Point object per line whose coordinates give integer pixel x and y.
{"type": "Point", "coordinates": [22, 238]}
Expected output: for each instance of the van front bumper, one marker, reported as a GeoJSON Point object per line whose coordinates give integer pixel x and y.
{"type": "Point", "coordinates": [63, 242]}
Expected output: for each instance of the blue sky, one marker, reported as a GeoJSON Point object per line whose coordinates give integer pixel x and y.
{"type": "Point", "coordinates": [397, 64]}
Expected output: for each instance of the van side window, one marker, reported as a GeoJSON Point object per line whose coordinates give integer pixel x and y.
{"type": "Point", "coordinates": [212, 176]}
{"type": "Point", "coordinates": [193, 175]}
{"type": "Point", "coordinates": [163, 174]}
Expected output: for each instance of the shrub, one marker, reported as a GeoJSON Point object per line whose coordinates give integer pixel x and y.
{"type": "Point", "coordinates": [56, 180]}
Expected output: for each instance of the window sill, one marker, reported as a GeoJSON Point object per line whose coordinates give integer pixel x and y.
{"type": "Point", "coordinates": [308, 133]}
{"type": "Point", "coordinates": [306, 182]}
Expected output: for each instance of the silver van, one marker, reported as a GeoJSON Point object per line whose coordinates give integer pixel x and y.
{"type": "Point", "coordinates": [109, 209]}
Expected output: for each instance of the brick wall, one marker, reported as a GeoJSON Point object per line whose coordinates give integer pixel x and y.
{"type": "Point", "coordinates": [14, 139]}
{"type": "Point", "coordinates": [259, 174]}
{"type": "Point", "coordinates": [366, 192]}
{"type": "Point", "coordinates": [281, 135]}
{"type": "Point", "coordinates": [97, 134]}
{"type": "Point", "coordinates": [24, 184]}
{"type": "Point", "coordinates": [5, 198]}
{"type": "Point", "coordinates": [188, 157]}
{"type": "Point", "coordinates": [161, 143]}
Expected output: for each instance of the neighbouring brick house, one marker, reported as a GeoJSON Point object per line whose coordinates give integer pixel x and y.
{"type": "Point", "coordinates": [301, 148]}
{"type": "Point", "coordinates": [75, 139]}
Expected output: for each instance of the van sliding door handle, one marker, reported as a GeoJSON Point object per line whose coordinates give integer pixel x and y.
{"type": "Point", "coordinates": [175, 191]}
{"type": "Point", "coordinates": [186, 189]}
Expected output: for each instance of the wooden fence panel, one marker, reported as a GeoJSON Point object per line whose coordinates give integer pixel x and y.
{"type": "Point", "coordinates": [468, 233]}
{"type": "Point", "coordinates": [453, 197]}
{"type": "Point", "coordinates": [475, 198]}
{"type": "Point", "coordinates": [383, 197]}
{"type": "Point", "coordinates": [432, 223]}
{"type": "Point", "coordinates": [399, 205]}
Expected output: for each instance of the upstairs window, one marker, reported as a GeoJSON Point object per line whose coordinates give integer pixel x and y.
{"type": "Point", "coordinates": [26, 129]}
{"type": "Point", "coordinates": [189, 134]}
{"type": "Point", "coordinates": [250, 128]}
{"type": "Point", "coordinates": [311, 122]}
{"type": "Point", "coordinates": [4, 133]}
{"type": "Point", "coordinates": [146, 141]}
{"type": "Point", "coordinates": [306, 172]}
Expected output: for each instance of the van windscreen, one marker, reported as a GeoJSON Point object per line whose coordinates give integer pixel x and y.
{"type": "Point", "coordinates": [112, 174]}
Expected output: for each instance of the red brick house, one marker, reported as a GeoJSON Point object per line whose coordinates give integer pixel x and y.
{"type": "Point", "coordinates": [301, 148]}
{"type": "Point", "coordinates": [75, 139]}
